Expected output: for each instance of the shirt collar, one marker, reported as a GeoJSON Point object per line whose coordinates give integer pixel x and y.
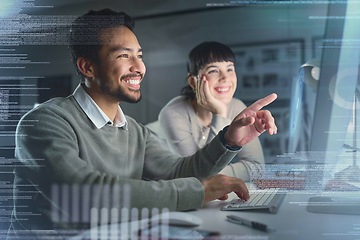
{"type": "Point", "coordinates": [93, 111]}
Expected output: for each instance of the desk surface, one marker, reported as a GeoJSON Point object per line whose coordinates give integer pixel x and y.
{"type": "Point", "coordinates": [292, 221]}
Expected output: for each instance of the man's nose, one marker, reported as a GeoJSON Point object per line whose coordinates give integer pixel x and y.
{"type": "Point", "coordinates": [137, 65]}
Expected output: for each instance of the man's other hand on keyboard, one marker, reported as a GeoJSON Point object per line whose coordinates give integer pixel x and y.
{"type": "Point", "coordinates": [219, 186]}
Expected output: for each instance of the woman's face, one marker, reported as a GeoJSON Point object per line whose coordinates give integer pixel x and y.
{"type": "Point", "coordinates": [222, 79]}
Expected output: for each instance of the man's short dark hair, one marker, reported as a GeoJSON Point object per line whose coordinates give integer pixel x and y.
{"type": "Point", "coordinates": [85, 31]}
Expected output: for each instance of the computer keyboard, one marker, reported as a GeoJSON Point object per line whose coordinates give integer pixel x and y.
{"type": "Point", "coordinates": [265, 199]}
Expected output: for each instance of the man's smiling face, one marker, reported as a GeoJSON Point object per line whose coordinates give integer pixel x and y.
{"type": "Point", "coordinates": [120, 68]}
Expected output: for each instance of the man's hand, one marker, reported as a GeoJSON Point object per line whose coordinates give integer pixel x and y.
{"type": "Point", "coordinates": [218, 187]}
{"type": "Point", "coordinates": [251, 123]}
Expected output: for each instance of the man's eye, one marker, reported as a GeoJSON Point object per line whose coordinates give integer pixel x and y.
{"type": "Point", "coordinates": [140, 56]}
{"type": "Point", "coordinates": [123, 56]}
{"type": "Point", "coordinates": [230, 70]}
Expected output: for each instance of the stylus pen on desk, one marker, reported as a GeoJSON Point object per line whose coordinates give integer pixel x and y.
{"type": "Point", "coordinates": [246, 222]}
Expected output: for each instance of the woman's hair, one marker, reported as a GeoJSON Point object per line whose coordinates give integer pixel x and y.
{"type": "Point", "coordinates": [202, 54]}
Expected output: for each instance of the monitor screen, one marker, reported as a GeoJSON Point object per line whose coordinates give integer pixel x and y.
{"type": "Point", "coordinates": [303, 95]}
{"type": "Point", "coordinates": [335, 96]}
{"type": "Point", "coordinates": [324, 103]}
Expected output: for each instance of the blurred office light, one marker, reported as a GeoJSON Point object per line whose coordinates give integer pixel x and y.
{"type": "Point", "coordinates": [10, 7]}
{"type": "Point", "coordinates": [311, 72]}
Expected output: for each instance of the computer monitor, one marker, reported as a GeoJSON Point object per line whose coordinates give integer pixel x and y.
{"type": "Point", "coordinates": [303, 92]}
{"type": "Point", "coordinates": [338, 81]}
{"type": "Point", "coordinates": [334, 112]}
{"type": "Point", "coordinates": [296, 130]}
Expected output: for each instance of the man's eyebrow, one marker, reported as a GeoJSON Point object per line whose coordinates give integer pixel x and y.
{"type": "Point", "coordinates": [116, 49]}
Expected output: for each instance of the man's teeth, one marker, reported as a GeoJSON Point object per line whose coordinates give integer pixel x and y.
{"type": "Point", "coordinates": [133, 82]}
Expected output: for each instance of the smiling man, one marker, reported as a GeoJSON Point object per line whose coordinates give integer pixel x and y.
{"type": "Point", "coordinates": [117, 74]}
{"type": "Point", "coordinates": [85, 141]}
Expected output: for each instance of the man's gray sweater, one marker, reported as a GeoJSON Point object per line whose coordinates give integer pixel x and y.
{"type": "Point", "coordinates": [58, 145]}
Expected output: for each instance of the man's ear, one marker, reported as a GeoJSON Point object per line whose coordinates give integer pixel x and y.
{"type": "Point", "coordinates": [85, 67]}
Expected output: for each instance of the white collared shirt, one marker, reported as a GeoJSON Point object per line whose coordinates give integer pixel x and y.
{"type": "Point", "coordinates": [93, 111]}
